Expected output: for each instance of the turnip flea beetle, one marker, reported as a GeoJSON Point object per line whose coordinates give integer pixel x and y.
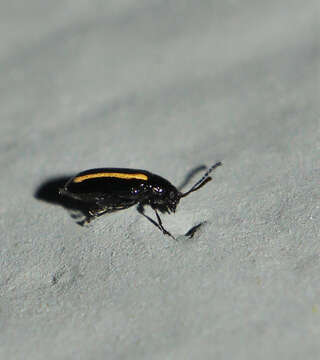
{"type": "Point", "coordinates": [107, 190]}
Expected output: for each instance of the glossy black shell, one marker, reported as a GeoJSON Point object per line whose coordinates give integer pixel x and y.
{"type": "Point", "coordinates": [126, 187]}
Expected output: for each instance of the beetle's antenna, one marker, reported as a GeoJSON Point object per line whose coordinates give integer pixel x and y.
{"type": "Point", "coordinates": [205, 178]}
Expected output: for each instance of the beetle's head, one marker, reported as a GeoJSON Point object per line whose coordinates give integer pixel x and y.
{"type": "Point", "coordinates": [165, 198]}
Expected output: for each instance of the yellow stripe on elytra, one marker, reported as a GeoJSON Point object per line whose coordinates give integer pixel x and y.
{"type": "Point", "coordinates": [116, 175]}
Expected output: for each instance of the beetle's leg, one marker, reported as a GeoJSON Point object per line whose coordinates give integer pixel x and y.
{"type": "Point", "coordinates": [166, 232]}
{"type": "Point", "coordinates": [140, 208]}
{"type": "Point", "coordinates": [158, 225]}
{"type": "Point", "coordinates": [91, 215]}
{"type": "Point", "coordinates": [97, 213]}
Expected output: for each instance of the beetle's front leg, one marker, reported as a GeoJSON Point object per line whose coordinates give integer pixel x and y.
{"type": "Point", "coordinates": [159, 225]}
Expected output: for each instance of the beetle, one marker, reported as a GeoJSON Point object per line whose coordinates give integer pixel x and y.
{"type": "Point", "coordinates": [106, 190]}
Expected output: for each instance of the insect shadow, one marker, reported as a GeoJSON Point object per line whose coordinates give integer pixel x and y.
{"type": "Point", "coordinates": [48, 191]}
{"type": "Point", "coordinates": [190, 175]}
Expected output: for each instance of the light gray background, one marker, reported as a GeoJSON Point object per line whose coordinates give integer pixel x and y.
{"type": "Point", "coordinates": [163, 86]}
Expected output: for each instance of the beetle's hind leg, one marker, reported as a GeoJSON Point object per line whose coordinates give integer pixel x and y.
{"type": "Point", "coordinates": [91, 214]}
{"type": "Point", "coordinates": [158, 224]}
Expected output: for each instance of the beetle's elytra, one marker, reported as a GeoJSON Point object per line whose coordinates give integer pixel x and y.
{"type": "Point", "coordinates": [107, 190]}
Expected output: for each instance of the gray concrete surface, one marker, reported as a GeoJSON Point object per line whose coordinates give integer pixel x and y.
{"type": "Point", "coordinates": [163, 86]}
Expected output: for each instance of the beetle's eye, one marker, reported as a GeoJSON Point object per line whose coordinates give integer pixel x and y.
{"type": "Point", "coordinates": [171, 195]}
{"type": "Point", "coordinates": [157, 190]}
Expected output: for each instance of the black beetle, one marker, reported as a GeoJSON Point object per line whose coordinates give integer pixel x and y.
{"type": "Point", "coordinates": [107, 190]}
